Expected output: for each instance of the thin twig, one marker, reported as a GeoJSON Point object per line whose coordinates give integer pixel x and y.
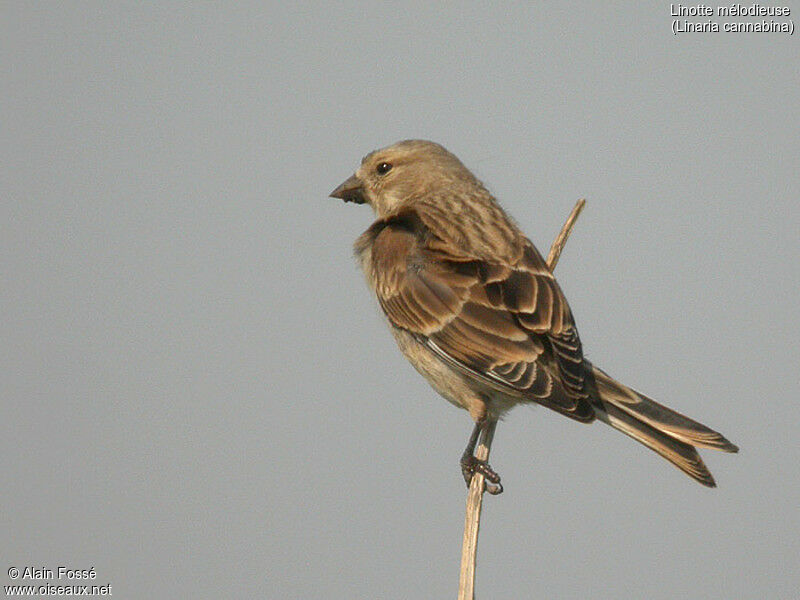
{"type": "Point", "coordinates": [472, 521]}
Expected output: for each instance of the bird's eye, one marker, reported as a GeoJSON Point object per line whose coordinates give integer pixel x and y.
{"type": "Point", "coordinates": [383, 168]}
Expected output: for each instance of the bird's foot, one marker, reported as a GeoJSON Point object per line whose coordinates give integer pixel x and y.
{"type": "Point", "coordinates": [470, 465]}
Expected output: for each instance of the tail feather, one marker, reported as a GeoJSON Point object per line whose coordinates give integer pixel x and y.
{"type": "Point", "coordinates": [682, 455]}
{"type": "Point", "coordinates": [667, 432]}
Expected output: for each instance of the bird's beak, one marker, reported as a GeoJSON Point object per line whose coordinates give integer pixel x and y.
{"type": "Point", "coordinates": [350, 191]}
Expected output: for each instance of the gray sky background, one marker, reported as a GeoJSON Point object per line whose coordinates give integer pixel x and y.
{"type": "Point", "coordinates": [199, 397]}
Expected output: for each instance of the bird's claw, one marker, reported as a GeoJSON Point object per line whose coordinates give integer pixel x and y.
{"type": "Point", "coordinates": [470, 465]}
{"type": "Point", "coordinates": [493, 489]}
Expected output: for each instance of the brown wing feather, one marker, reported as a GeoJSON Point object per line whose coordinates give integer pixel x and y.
{"type": "Point", "coordinates": [506, 324]}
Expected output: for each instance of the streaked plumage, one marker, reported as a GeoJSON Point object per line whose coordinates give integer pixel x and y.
{"type": "Point", "coordinates": [475, 309]}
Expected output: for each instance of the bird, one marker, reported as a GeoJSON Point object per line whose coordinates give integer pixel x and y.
{"type": "Point", "coordinates": [473, 306]}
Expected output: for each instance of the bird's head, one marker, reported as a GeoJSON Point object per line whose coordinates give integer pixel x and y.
{"type": "Point", "coordinates": [397, 175]}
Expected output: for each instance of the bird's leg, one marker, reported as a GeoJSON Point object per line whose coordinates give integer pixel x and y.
{"type": "Point", "coordinates": [468, 457]}
{"type": "Point", "coordinates": [470, 464]}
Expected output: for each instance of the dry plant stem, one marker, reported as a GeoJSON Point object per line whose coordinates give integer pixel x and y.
{"type": "Point", "coordinates": [566, 229]}
{"type": "Point", "coordinates": [472, 521]}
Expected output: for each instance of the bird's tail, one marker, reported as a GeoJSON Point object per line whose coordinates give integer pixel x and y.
{"type": "Point", "coordinates": [661, 429]}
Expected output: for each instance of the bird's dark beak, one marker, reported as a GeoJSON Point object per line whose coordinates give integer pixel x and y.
{"type": "Point", "coordinates": [350, 191]}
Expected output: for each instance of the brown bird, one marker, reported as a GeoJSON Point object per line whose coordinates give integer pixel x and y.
{"type": "Point", "coordinates": [474, 308]}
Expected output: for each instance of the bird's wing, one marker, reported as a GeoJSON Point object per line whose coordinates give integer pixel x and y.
{"type": "Point", "coordinates": [507, 325]}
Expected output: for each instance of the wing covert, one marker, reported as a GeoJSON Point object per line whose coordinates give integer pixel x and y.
{"type": "Point", "coordinates": [508, 325]}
